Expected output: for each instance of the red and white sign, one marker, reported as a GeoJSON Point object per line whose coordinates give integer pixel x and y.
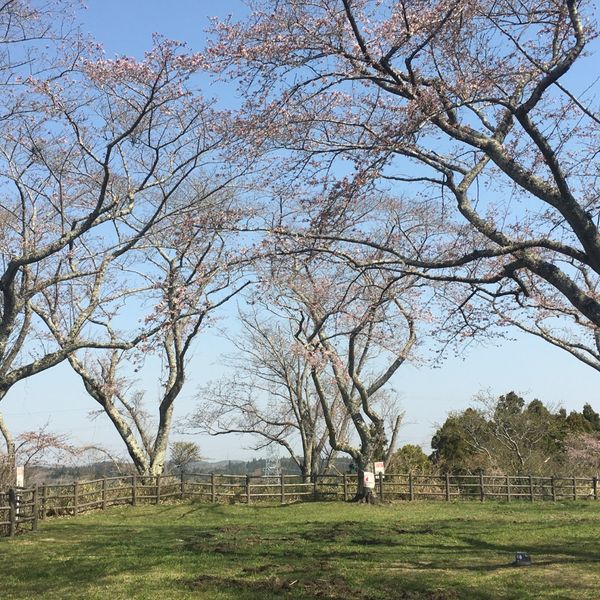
{"type": "Point", "coordinates": [368, 479]}
{"type": "Point", "coordinates": [379, 468]}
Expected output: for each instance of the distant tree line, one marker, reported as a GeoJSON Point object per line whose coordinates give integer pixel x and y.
{"type": "Point", "coordinates": [509, 435]}
{"type": "Point", "coordinates": [40, 474]}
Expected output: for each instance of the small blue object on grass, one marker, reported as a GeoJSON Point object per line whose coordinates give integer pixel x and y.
{"type": "Point", "coordinates": [522, 559]}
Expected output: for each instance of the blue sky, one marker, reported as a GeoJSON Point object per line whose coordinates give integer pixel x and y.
{"type": "Point", "coordinates": [126, 26]}
{"type": "Point", "coordinates": [525, 364]}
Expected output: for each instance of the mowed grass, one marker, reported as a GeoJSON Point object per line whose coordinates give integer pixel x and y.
{"type": "Point", "coordinates": [419, 550]}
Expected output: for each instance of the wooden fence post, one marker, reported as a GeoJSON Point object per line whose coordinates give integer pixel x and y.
{"type": "Point", "coordinates": [315, 487]}
{"type": "Point", "coordinates": [381, 487]}
{"type": "Point", "coordinates": [531, 488]}
{"type": "Point", "coordinates": [158, 489]}
{"type": "Point", "coordinates": [411, 491]}
{"type": "Point", "coordinates": [447, 487]}
{"type": "Point", "coordinates": [345, 487]}
{"type": "Point", "coordinates": [481, 488]}
{"type": "Point", "coordinates": [248, 494]}
{"type": "Point", "coordinates": [182, 484]}
{"type": "Point", "coordinates": [595, 487]}
{"type": "Point", "coordinates": [12, 501]}
{"type": "Point", "coordinates": [104, 493]}
{"type": "Point", "coordinates": [75, 498]}
{"type": "Point", "coordinates": [508, 488]}
{"type": "Point", "coordinates": [553, 488]}
{"type": "Point", "coordinates": [282, 487]}
{"type": "Point", "coordinates": [213, 489]}
{"type": "Point", "coordinates": [36, 507]}
{"type": "Point", "coordinates": [134, 490]}
{"type": "Point", "coordinates": [574, 489]}
{"type": "Point", "coordinates": [44, 499]}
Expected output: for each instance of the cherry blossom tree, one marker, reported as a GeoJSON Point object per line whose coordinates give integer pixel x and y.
{"type": "Point", "coordinates": [31, 448]}
{"type": "Point", "coordinates": [356, 329]}
{"type": "Point", "coordinates": [484, 108]}
{"type": "Point", "coordinates": [26, 29]}
{"type": "Point", "coordinates": [271, 396]}
{"type": "Point", "coordinates": [70, 206]}
{"type": "Point", "coordinates": [583, 452]}
{"type": "Point", "coordinates": [93, 151]}
{"type": "Point", "coordinates": [37, 38]}
{"type": "Point", "coordinates": [192, 267]}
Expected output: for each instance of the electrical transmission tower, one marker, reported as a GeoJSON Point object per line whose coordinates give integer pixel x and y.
{"type": "Point", "coordinates": [272, 465]}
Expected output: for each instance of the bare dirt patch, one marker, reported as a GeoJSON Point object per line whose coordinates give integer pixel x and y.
{"type": "Point", "coordinates": [335, 588]}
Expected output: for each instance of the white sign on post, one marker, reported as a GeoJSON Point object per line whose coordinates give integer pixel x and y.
{"type": "Point", "coordinates": [379, 468]}
{"type": "Point", "coordinates": [20, 476]}
{"type": "Point", "coordinates": [369, 479]}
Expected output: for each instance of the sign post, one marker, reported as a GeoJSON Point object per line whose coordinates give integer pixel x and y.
{"type": "Point", "coordinates": [379, 470]}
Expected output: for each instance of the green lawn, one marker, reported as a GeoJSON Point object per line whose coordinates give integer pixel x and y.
{"type": "Point", "coordinates": [419, 550]}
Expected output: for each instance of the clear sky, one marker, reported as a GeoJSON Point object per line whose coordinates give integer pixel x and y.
{"type": "Point", "coordinates": [525, 364]}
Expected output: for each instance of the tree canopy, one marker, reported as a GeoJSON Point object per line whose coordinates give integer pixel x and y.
{"type": "Point", "coordinates": [509, 435]}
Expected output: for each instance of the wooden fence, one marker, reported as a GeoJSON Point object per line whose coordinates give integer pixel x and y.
{"type": "Point", "coordinates": [22, 508]}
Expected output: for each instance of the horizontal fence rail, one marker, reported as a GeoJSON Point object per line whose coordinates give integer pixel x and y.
{"type": "Point", "coordinates": [22, 508]}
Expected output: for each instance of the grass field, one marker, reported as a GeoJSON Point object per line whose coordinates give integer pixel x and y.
{"type": "Point", "coordinates": [419, 550]}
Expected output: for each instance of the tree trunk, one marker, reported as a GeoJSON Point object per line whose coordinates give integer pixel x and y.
{"type": "Point", "coordinates": [305, 473]}
{"type": "Point", "coordinates": [135, 451]}
{"type": "Point", "coordinates": [159, 458]}
{"type": "Point", "coordinates": [161, 443]}
{"type": "Point", "coordinates": [11, 459]}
